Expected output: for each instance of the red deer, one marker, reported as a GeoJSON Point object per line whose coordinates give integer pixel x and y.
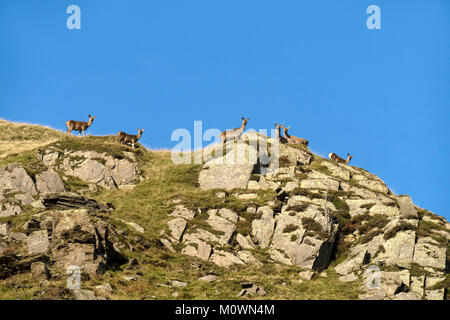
{"type": "Point", "coordinates": [126, 138]}
{"type": "Point", "coordinates": [234, 133]}
{"type": "Point", "coordinates": [292, 139]}
{"type": "Point", "coordinates": [278, 135]}
{"type": "Point", "coordinates": [80, 126]}
{"type": "Point", "coordinates": [334, 157]}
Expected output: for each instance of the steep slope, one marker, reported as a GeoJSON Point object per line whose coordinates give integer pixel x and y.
{"type": "Point", "coordinates": [141, 227]}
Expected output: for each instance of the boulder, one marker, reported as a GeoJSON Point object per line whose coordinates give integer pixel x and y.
{"type": "Point", "coordinates": [49, 182]}
{"type": "Point", "coordinates": [10, 210]}
{"type": "Point", "coordinates": [230, 171]}
{"type": "Point", "coordinates": [13, 178]}
{"type": "Point", "coordinates": [4, 228]}
{"type": "Point", "coordinates": [24, 198]}
{"type": "Point", "coordinates": [182, 212]}
{"type": "Point", "coordinates": [225, 259]}
{"type": "Point", "coordinates": [226, 227]}
{"type": "Point", "coordinates": [248, 257]}
{"type": "Point", "coordinates": [197, 248]}
{"type": "Point", "coordinates": [244, 242]}
{"type": "Point", "coordinates": [37, 242]}
{"type": "Point", "coordinates": [177, 227]}
{"type": "Point", "coordinates": [262, 229]}
{"type": "Point", "coordinates": [208, 279]}
{"type": "Point", "coordinates": [407, 209]}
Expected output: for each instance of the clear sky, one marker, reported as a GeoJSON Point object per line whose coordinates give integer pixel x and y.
{"type": "Point", "coordinates": [383, 95]}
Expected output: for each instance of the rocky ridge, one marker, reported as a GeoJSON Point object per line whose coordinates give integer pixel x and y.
{"type": "Point", "coordinates": [308, 213]}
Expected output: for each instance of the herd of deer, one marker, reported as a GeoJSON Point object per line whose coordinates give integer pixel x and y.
{"type": "Point", "coordinates": [122, 137]}
{"type": "Point", "coordinates": [130, 139]}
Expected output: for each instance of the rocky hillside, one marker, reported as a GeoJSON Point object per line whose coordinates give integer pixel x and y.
{"type": "Point", "coordinates": [140, 227]}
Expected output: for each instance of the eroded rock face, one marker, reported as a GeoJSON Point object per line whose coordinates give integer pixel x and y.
{"type": "Point", "coordinates": [306, 237]}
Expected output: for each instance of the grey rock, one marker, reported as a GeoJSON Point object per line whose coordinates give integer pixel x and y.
{"type": "Point", "coordinates": [49, 182]}
{"type": "Point", "coordinates": [10, 210]}
{"type": "Point", "coordinates": [197, 248]}
{"type": "Point", "coordinates": [37, 242]}
{"type": "Point", "coordinates": [25, 198]}
{"type": "Point", "coordinates": [248, 257]}
{"type": "Point", "coordinates": [351, 277]}
{"type": "Point", "coordinates": [4, 228]}
{"type": "Point", "coordinates": [428, 253]}
{"type": "Point", "coordinates": [228, 214]}
{"type": "Point", "coordinates": [178, 284]}
{"type": "Point", "coordinates": [104, 289]}
{"type": "Point", "coordinates": [406, 296]}
{"type": "Point", "coordinates": [82, 294]}
{"type": "Point", "coordinates": [166, 243]}
{"type": "Point", "coordinates": [307, 275]}
{"type": "Point", "coordinates": [244, 242]}
{"type": "Point", "coordinates": [40, 271]}
{"type": "Point", "coordinates": [225, 259]}
{"type": "Point", "coordinates": [13, 178]}
{"type": "Point", "coordinates": [262, 229]}
{"type": "Point", "coordinates": [38, 204]}
{"type": "Point", "coordinates": [18, 236]}
{"type": "Point", "coordinates": [223, 225]}
{"type": "Point", "coordinates": [182, 212]}
{"type": "Point", "coordinates": [407, 209]}
{"type": "Point", "coordinates": [229, 172]}
{"type": "Point", "coordinates": [177, 227]}
{"type": "Point", "coordinates": [208, 279]}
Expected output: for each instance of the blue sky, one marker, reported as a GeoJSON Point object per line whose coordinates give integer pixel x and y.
{"type": "Point", "coordinates": [314, 65]}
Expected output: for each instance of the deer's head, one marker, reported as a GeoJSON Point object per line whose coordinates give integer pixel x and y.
{"type": "Point", "coordinates": [91, 118]}
{"type": "Point", "coordinates": [244, 121]}
{"type": "Point", "coordinates": [140, 132]}
{"type": "Point", "coordinates": [349, 157]}
{"type": "Point", "coordinates": [285, 129]}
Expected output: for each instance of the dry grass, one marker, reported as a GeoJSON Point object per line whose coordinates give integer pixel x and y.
{"type": "Point", "coordinates": [20, 137]}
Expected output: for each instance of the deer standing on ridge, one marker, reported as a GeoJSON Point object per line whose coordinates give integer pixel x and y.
{"type": "Point", "coordinates": [234, 133]}
{"type": "Point", "coordinates": [278, 135]}
{"type": "Point", "coordinates": [334, 157]}
{"type": "Point", "coordinates": [80, 126]}
{"type": "Point", "coordinates": [126, 138]}
{"type": "Point", "coordinates": [292, 139]}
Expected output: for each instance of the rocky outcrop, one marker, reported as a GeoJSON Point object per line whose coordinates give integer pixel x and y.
{"type": "Point", "coordinates": [100, 169]}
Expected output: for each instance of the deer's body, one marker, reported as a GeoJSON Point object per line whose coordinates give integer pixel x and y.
{"type": "Point", "coordinates": [278, 135]}
{"type": "Point", "coordinates": [334, 157]}
{"type": "Point", "coordinates": [126, 138]}
{"type": "Point", "coordinates": [292, 139]}
{"type": "Point", "coordinates": [234, 133]}
{"type": "Point", "coordinates": [80, 126]}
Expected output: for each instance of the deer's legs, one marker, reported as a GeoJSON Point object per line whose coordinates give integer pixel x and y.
{"type": "Point", "coordinates": [68, 131]}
